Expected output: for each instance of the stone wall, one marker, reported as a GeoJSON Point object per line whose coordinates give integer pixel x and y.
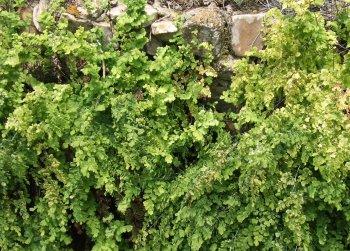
{"type": "Point", "coordinates": [230, 32]}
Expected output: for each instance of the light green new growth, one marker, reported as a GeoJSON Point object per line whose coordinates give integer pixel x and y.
{"type": "Point", "coordinates": [104, 147]}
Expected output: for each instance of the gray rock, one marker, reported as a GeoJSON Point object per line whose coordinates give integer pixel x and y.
{"type": "Point", "coordinates": [102, 18]}
{"type": "Point", "coordinates": [113, 3]}
{"type": "Point", "coordinates": [224, 66]}
{"type": "Point", "coordinates": [117, 11]}
{"type": "Point", "coordinates": [96, 8]}
{"type": "Point", "coordinates": [246, 33]}
{"type": "Point", "coordinates": [39, 9]}
{"type": "Point", "coordinates": [152, 14]}
{"type": "Point", "coordinates": [91, 9]}
{"type": "Point", "coordinates": [121, 9]}
{"type": "Point", "coordinates": [209, 22]}
{"type": "Point", "coordinates": [74, 22]}
{"type": "Point", "coordinates": [165, 12]}
{"type": "Point", "coordinates": [152, 46]}
{"type": "Point", "coordinates": [83, 12]}
{"type": "Point", "coordinates": [163, 29]}
{"type": "Point", "coordinates": [106, 28]}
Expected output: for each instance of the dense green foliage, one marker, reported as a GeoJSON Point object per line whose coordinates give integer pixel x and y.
{"type": "Point", "coordinates": [103, 147]}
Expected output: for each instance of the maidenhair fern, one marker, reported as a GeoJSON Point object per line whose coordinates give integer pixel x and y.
{"type": "Point", "coordinates": [105, 148]}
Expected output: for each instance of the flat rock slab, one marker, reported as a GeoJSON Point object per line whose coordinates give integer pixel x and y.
{"type": "Point", "coordinates": [163, 29]}
{"type": "Point", "coordinates": [246, 33]}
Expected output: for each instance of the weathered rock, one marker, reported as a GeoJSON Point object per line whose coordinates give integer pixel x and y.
{"type": "Point", "coordinates": [224, 66]}
{"type": "Point", "coordinates": [26, 13]}
{"type": "Point", "coordinates": [246, 33]}
{"type": "Point", "coordinates": [74, 22]}
{"type": "Point", "coordinates": [165, 12]}
{"type": "Point", "coordinates": [106, 28]}
{"type": "Point", "coordinates": [152, 46]}
{"type": "Point", "coordinates": [117, 11]}
{"type": "Point", "coordinates": [152, 14]}
{"type": "Point", "coordinates": [39, 9]}
{"type": "Point", "coordinates": [163, 29]}
{"type": "Point", "coordinates": [83, 12]}
{"type": "Point", "coordinates": [92, 9]}
{"type": "Point", "coordinates": [102, 18]}
{"type": "Point", "coordinates": [188, 4]}
{"type": "Point", "coordinates": [217, 88]}
{"type": "Point", "coordinates": [210, 25]}
{"type": "Point", "coordinates": [97, 7]}
{"type": "Point", "coordinates": [113, 2]}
